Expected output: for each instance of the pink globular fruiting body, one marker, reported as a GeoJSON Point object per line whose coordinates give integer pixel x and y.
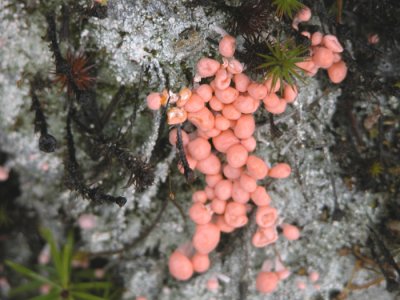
{"type": "Point", "coordinates": [87, 221]}
{"type": "Point", "coordinates": [303, 15]}
{"type": "Point", "coordinates": [290, 232]}
{"type": "Point", "coordinates": [267, 282]}
{"type": "Point", "coordinates": [180, 266]}
{"type": "Point", "coordinates": [4, 174]}
{"type": "Point", "coordinates": [325, 51]}
{"type": "Point", "coordinates": [313, 276]}
{"type": "Point", "coordinates": [212, 284]}
{"type": "Point", "coordinates": [221, 148]}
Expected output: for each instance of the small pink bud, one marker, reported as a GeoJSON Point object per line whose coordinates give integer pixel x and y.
{"type": "Point", "coordinates": [306, 34]}
{"type": "Point", "coordinates": [271, 100]}
{"type": "Point", "coordinates": [227, 46]}
{"type": "Point", "coordinates": [223, 190]}
{"type": "Point", "coordinates": [212, 180]}
{"type": "Point", "coordinates": [4, 174]}
{"type": "Point", "coordinates": [206, 238]}
{"type": "Point", "coordinates": [199, 213]}
{"type": "Point", "coordinates": [222, 79]}
{"type": "Point", "coordinates": [304, 15]}
{"type": "Point", "coordinates": [290, 93]}
{"type": "Point", "coordinates": [218, 206]}
{"type": "Point", "coordinates": [314, 276]}
{"type": "Point", "coordinates": [260, 196]}
{"type": "Point", "coordinates": [207, 67]}
{"type": "Point", "coordinates": [257, 91]}
{"type": "Point", "coordinates": [279, 109]}
{"type": "Point", "coordinates": [322, 57]}
{"type": "Point", "coordinates": [199, 196]}
{"type": "Point", "coordinates": [154, 101]}
{"type": "Point", "coordinates": [267, 282]}
{"type": "Point", "coordinates": [281, 170]}
{"type": "Point", "coordinates": [284, 274]}
{"type": "Point", "coordinates": [241, 82]}
{"type": "Point", "coordinates": [245, 126]}
{"type": "Point", "coordinates": [45, 289]}
{"type": "Point", "coordinates": [44, 256]}
{"type": "Point", "coordinates": [301, 285]}
{"type": "Point", "coordinates": [264, 237]}
{"type": "Point", "coordinates": [195, 103]}
{"type": "Point", "coordinates": [236, 156]}
{"type": "Point", "coordinates": [331, 42]}
{"type": "Point", "coordinates": [235, 214]}
{"type": "Point", "coordinates": [235, 66]}
{"type": "Point", "coordinates": [180, 266]}
{"type": "Point", "coordinates": [44, 167]}
{"type": "Point", "coordinates": [201, 262]}
{"type": "Point", "coordinates": [222, 225]}
{"type": "Point", "coordinates": [202, 119]}
{"type": "Point", "coordinates": [209, 166]}
{"type": "Point", "coordinates": [270, 87]}
{"type": "Point", "coordinates": [227, 95]}
{"type": "Point", "coordinates": [250, 144]}
{"type": "Point", "coordinates": [4, 285]}
{"type": "Point", "coordinates": [176, 115]}
{"type": "Point", "coordinates": [199, 148]}
{"type": "Point", "coordinates": [337, 72]}
{"type": "Point", "coordinates": [290, 232]}
{"type": "Point", "coordinates": [173, 136]}
{"type": "Point", "coordinates": [316, 38]}
{"type": "Point", "coordinates": [87, 221]}
{"type": "Point", "coordinates": [308, 66]}
{"type": "Point", "coordinates": [212, 284]}
{"type": "Point", "coordinates": [248, 183]}
{"type": "Point", "coordinates": [373, 38]}
{"type": "Point", "coordinates": [205, 91]}
{"type": "Point", "coordinates": [221, 122]}
{"type": "Point", "coordinates": [99, 273]}
{"type": "Point", "coordinates": [266, 216]}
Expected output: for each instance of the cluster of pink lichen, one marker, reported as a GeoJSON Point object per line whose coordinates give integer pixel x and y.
{"type": "Point", "coordinates": [325, 51]}
{"type": "Point", "coordinates": [220, 148]}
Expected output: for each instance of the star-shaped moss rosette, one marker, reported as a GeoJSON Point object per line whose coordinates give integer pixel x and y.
{"type": "Point", "coordinates": [59, 280]}
{"type": "Point", "coordinates": [280, 62]}
{"type": "Point", "coordinates": [287, 7]}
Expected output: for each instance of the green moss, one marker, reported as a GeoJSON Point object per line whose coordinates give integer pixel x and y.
{"type": "Point", "coordinates": [287, 7]}
{"type": "Point", "coordinates": [280, 62]}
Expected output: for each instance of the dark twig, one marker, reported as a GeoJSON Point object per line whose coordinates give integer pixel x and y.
{"type": "Point", "coordinates": [47, 142]}
{"type": "Point", "coordinates": [141, 173]}
{"type": "Point", "coordinates": [388, 266]}
{"type": "Point", "coordinates": [275, 132]}
{"type": "Point", "coordinates": [73, 177]}
{"type": "Point", "coordinates": [111, 106]}
{"type": "Point", "coordinates": [54, 47]}
{"type": "Point", "coordinates": [182, 156]}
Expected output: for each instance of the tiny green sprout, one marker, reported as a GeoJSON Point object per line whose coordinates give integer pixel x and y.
{"type": "Point", "coordinates": [280, 63]}
{"type": "Point", "coordinates": [102, 2]}
{"type": "Point", "coordinates": [287, 7]}
{"type": "Point", "coordinates": [4, 218]}
{"type": "Point", "coordinates": [376, 169]}
{"type": "Point", "coordinates": [62, 281]}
